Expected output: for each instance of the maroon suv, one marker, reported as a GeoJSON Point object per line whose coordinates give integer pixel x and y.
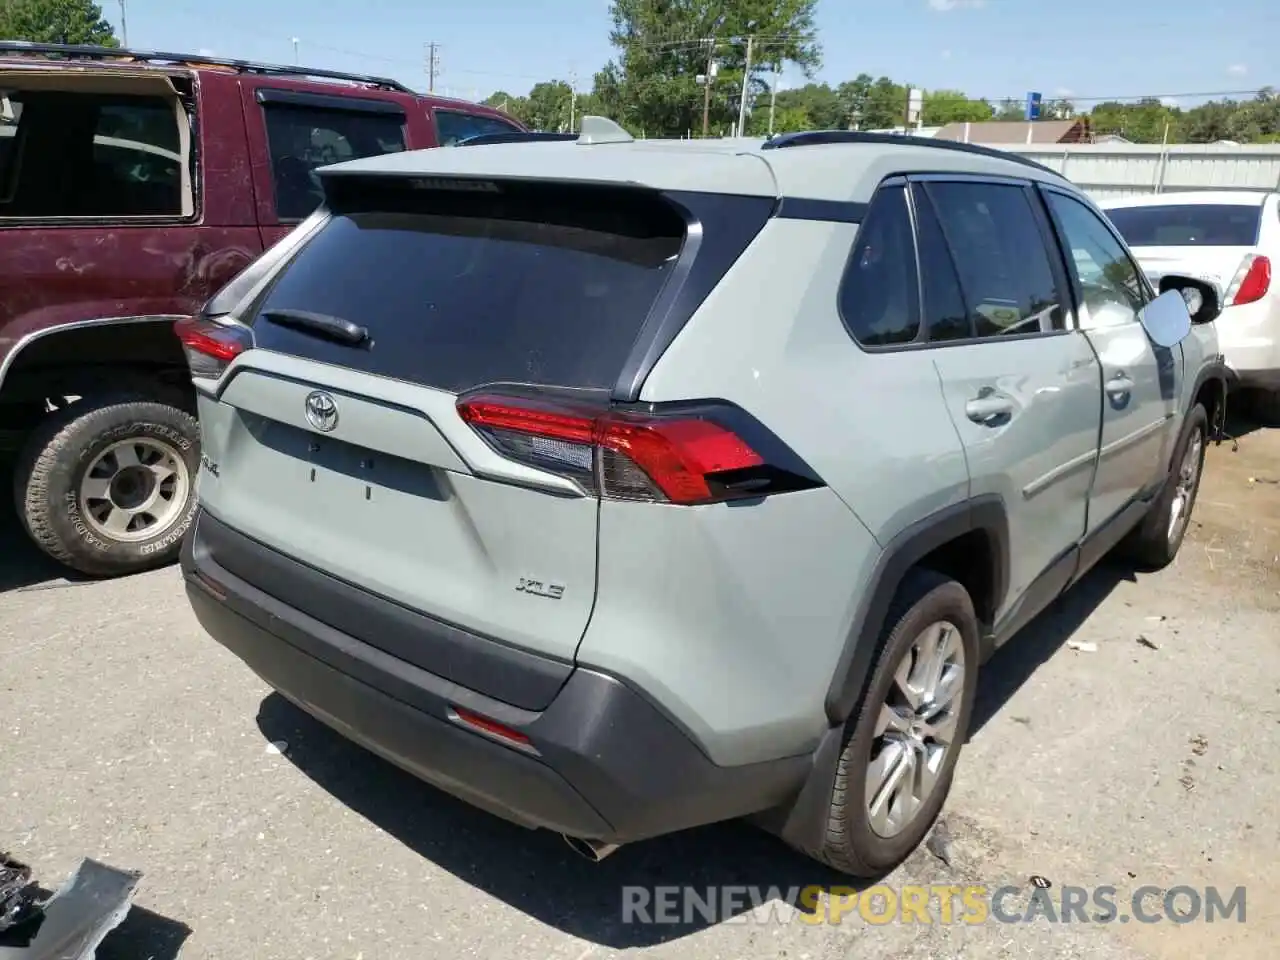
{"type": "Point", "coordinates": [132, 187]}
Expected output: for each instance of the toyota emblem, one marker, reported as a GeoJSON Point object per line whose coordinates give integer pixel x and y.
{"type": "Point", "coordinates": [322, 411]}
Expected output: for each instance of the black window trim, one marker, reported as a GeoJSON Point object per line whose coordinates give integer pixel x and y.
{"type": "Point", "coordinates": [1061, 278]}
{"type": "Point", "coordinates": [1064, 248]}
{"type": "Point", "coordinates": [268, 96]}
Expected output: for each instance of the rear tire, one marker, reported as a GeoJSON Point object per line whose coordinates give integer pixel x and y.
{"type": "Point", "coordinates": [885, 746]}
{"type": "Point", "coordinates": [1155, 542]}
{"type": "Point", "coordinates": [107, 486]}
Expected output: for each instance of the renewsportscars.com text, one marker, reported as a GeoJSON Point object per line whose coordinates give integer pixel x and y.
{"type": "Point", "coordinates": [932, 904]}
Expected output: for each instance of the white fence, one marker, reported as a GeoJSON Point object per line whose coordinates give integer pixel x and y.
{"type": "Point", "coordinates": [1121, 170]}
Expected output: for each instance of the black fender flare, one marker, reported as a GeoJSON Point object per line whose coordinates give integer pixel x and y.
{"type": "Point", "coordinates": [803, 824]}
{"type": "Point", "coordinates": [986, 513]}
{"type": "Point", "coordinates": [1217, 372]}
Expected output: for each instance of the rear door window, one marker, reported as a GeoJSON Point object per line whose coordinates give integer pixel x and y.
{"type": "Point", "coordinates": [302, 138]}
{"type": "Point", "coordinates": [453, 125]}
{"type": "Point", "coordinates": [1000, 255]}
{"type": "Point", "coordinates": [525, 283]}
{"type": "Point", "coordinates": [1189, 224]}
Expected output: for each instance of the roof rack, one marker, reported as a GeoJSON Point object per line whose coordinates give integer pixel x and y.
{"type": "Point", "coordinates": [816, 137]}
{"type": "Point", "coordinates": [87, 52]}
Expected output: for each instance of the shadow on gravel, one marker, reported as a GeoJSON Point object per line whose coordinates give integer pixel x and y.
{"type": "Point", "coordinates": [144, 935]}
{"type": "Point", "coordinates": [535, 871]}
{"type": "Point", "coordinates": [1014, 663]}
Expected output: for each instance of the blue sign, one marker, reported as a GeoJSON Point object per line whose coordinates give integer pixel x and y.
{"type": "Point", "coordinates": [1033, 106]}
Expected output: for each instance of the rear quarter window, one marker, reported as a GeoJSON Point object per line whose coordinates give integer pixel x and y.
{"type": "Point", "coordinates": [533, 283]}
{"type": "Point", "coordinates": [1189, 225]}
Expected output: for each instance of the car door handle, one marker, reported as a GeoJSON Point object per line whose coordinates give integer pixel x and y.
{"type": "Point", "coordinates": [985, 409]}
{"type": "Point", "coordinates": [1120, 384]}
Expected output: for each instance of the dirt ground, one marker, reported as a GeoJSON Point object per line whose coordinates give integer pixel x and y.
{"type": "Point", "coordinates": [1130, 736]}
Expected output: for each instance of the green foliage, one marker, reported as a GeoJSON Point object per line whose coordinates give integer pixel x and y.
{"type": "Point", "coordinates": [664, 45]}
{"type": "Point", "coordinates": [651, 86]}
{"type": "Point", "coordinates": [55, 21]}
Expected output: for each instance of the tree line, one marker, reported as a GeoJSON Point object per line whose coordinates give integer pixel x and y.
{"type": "Point", "coordinates": [655, 84]}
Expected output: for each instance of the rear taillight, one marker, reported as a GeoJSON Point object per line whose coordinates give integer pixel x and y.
{"type": "Point", "coordinates": [1251, 282]}
{"type": "Point", "coordinates": [703, 454]}
{"type": "Point", "coordinates": [210, 347]}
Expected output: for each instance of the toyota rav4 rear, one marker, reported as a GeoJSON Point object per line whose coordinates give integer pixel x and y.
{"type": "Point", "coordinates": [434, 514]}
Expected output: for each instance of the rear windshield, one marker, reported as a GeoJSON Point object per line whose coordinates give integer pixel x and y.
{"type": "Point", "coordinates": [1189, 225]}
{"type": "Point", "coordinates": [525, 283]}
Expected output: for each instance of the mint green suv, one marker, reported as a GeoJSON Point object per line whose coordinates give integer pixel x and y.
{"type": "Point", "coordinates": [620, 487]}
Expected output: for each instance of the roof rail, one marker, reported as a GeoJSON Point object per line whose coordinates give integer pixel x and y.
{"type": "Point", "coordinates": [816, 137]}
{"type": "Point", "coordinates": [87, 52]}
{"type": "Point", "coordinates": [514, 136]}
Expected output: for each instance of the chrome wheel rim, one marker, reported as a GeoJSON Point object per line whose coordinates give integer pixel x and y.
{"type": "Point", "coordinates": [1185, 490]}
{"type": "Point", "coordinates": [915, 729]}
{"type": "Point", "coordinates": [135, 490]}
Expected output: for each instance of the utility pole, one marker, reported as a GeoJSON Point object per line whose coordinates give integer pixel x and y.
{"type": "Point", "coordinates": [573, 99]}
{"type": "Point", "coordinates": [124, 27]}
{"type": "Point", "coordinates": [296, 61]}
{"type": "Point", "coordinates": [773, 96]}
{"type": "Point", "coordinates": [746, 79]}
{"type": "Point", "coordinates": [433, 65]}
{"type": "Point", "coordinates": [706, 86]}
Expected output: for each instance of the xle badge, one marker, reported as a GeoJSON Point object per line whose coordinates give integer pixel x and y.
{"type": "Point", "coordinates": [552, 591]}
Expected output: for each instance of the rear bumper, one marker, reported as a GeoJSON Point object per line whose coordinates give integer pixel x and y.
{"type": "Point", "coordinates": [605, 762]}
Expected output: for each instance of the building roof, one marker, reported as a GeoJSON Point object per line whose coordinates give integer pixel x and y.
{"type": "Point", "coordinates": [1012, 131]}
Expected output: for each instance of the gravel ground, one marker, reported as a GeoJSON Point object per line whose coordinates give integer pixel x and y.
{"type": "Point", "coordinates": [1149, 757]}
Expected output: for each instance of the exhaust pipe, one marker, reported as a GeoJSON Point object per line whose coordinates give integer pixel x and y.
{"type": "Point", "coordinates": [593, 850]}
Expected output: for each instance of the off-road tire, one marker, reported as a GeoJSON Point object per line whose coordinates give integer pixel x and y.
{"type": "Point", "coordinates": [54, 459]}
{"type": "Point", "coordinates": [1149, 545]}
{"type": "Point", "coordinates": [851, 846]}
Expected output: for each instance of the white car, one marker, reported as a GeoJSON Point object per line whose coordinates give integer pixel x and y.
{"type": "Point", "coordinates": [1233, 236]}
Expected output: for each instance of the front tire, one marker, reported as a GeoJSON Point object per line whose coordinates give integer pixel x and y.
{"type": "Point", "coordinates": [107, 487]}
{"type": "Point", "coordinates": [1155, 542]}
{"type": "Point", "coordinates": [896, 768]}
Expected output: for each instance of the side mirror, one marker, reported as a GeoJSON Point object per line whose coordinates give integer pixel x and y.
{"type": "Point", "coordinates": [1167, 319]}
{"type": "Point", "coordinates": [1203, 295]}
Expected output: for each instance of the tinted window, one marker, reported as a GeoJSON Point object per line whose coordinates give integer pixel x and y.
{"type": "Point", "coordinates": [529, 283]}
{"type": "Point", "coordinates": [1188, 225]}
{"type": "Point", "coordinates": [879, 295]}
{"type": "Point", "coordinates": [1001, 257]}
{"type": "Point", "coordinates": [87, 155]}
{"type": "Point", "coordinates": [945, 315]}
{"type": "Point", "coordinates": [304, 138]}
{"type": "Point", "coordinates": [1110, 286]}
{"type": "Point", "coordinates": [452, 126]}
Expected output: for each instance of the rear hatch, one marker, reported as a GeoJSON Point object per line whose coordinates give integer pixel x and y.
{"type": "Point", "coordinates": [338, 441]}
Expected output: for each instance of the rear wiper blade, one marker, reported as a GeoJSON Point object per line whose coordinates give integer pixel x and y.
{"type": "Point", "coordinates": [334, 328]}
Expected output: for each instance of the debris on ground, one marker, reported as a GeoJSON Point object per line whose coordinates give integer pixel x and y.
{"type": "Point", "coordinates": [277, 747]}
{"type": "Point", "coordinates": [939, 842]}
{"type": "Point", "coordinates": [17, 893]}
{"type": "Point", "coordinates": [1199, 745]}
{"type": "Point", "coordinates": [1082, 646]}
{"type": "Point", "coordinates": [72, 923]}
{"type": "Point", "coordinates": [1145, 641]}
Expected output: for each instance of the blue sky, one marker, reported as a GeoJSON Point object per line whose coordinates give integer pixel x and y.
{"type": "Point", "coordinates": [988, 48]}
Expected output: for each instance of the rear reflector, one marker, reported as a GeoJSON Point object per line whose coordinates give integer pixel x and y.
{"type": "Point", "coordinates": [681, 457]}
{"type": "Point", "coordinates": [1251, 282]}
{"type": "Point", "coordinates": [210, 347]}
{"type": "Point", "coordinates": [491, 728]}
